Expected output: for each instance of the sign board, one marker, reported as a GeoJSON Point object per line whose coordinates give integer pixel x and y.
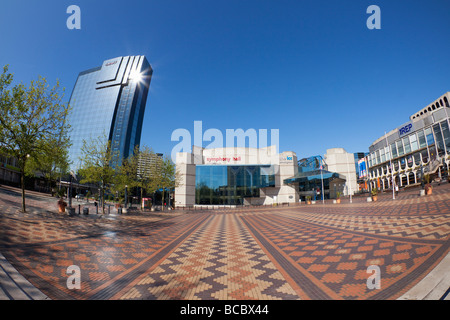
{"type": "Point", "coordinates": [362, 168]}
{"type": "Point", "coordinates": [405, 129]}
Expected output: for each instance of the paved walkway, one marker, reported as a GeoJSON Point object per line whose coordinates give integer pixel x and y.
{"type": "Point", "coordinates": [281, 253]}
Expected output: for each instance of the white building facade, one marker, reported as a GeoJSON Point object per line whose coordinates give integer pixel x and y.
{"type": "Point", "coordinates": [420, 146]}
{"type": "Point", "coordinates": [342, 162]}
{"type": "Point", "coordinates": [235, 176]}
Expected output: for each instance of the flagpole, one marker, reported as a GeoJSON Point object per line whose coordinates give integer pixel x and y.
{"type": "Point", "coordinates": [349, 187]}
{"type": "Point", "coordinates": [321, 177]}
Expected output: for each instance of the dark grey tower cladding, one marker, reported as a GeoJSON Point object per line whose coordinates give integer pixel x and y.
{"type": "Point", "coordinates": [109, 102]}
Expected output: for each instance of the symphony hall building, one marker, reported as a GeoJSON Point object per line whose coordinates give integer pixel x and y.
{"type": "Point", "coordinates": [234, 176]}
{"type": "Point", "coordinates": [251, 176]}
{"type": "Point", "coordinates": [420, 145]}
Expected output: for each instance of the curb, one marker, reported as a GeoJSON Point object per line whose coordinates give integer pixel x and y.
{"type": "Point", "coordinates": [435, 285]}
{"type": "Point", "coordinates": [13, 286]}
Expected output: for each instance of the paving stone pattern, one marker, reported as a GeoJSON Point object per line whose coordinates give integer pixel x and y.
{"type": "Point", "coordinates": [277, 253]}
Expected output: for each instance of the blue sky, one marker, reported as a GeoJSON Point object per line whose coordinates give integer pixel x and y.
{"type": "Point", "coordinates": [310, 68]}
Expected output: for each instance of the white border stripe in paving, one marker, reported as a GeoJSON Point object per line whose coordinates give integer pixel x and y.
{"type": "Point", "coordinates": [13, 286]}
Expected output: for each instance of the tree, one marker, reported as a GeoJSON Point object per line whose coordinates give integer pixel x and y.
{"type": "Point", "coordinates": [168, 177]}
{"type": "Point", "coordinates": [30, 117]}
{"type": "Point", "coordinates": [139, 170]}
{"type": "Point", "coordinates": [96, 166]}
{"type": "Point", "coordinates": [52, 160]}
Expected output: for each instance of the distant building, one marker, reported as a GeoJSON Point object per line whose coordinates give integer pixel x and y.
{"type": "Point", "coordinates": [346, 164]}
{"type": "Point", "coordinates": [148, 163]}
{"type": "Point", "coordinates": [9, 171]}
{"type": "Point", "coordinates": [108, 102]}
{"type": "Point", "coordinates": [235, 176]}
{"type": "Point", "coordinates": [313, 179]}
{"type": "Point", "coordinates": [250, 176]}
{"type": "Point", "coordinates": [417, 147]}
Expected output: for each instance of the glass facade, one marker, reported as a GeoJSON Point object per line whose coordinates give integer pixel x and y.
{"type": "Point", "coordinates": [229, 185]}
{"type": "Point", "coordinates": [108, 102]}
{"type": "Point", "coordinates": [312, 173]}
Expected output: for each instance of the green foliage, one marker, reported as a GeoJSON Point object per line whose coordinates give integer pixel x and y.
{"type": "Point", "coordinates": [52, 161]}
{"type": "Point", "coordinates": [374, 191]}
{"type": "Point", "coordinates": [31, 120]}
{"type": "Point", "coordinates": [169, 177]}
{"type": "Point", "coordinates": [96, 165]}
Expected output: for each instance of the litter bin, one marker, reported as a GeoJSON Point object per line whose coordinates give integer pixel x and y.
{"type": "Point", "coordinates": [85, 211]}
{"type": "Point", "coordinates": [71, 211]}
{"type": "Point", "coordinates": [119, 210]}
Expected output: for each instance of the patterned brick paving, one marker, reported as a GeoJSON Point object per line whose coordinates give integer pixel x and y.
{"type": "Point", "coordinates": [280, 253]}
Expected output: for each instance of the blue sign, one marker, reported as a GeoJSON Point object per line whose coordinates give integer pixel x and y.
{"type": "Point", "coordinates": [362, 168]}
{"type": "Point", "coordinates": [288, 158]}
{"type": "Point", "coordinates": [405, 129]}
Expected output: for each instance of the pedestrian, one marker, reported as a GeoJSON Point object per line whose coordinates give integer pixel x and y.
{"type": "Point", "coordinates": [396, 189]}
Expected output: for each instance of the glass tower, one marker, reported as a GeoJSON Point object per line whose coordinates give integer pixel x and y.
{"type": "Point", "coordinates": [108, 103]}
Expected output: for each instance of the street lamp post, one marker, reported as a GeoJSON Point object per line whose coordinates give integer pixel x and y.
{"type": "Point", "coordinates": [321, 178]}
{"type": "Point", "coordinates": [126, 198]}
{"type": "Point", "coordinates": [70, 191]}
{"type": "Point", "coordinates": [349, 187]}
{"type": "Point", "coordinates": [390, 165]}
{"type": "Point", "coordinates": [422, 184]}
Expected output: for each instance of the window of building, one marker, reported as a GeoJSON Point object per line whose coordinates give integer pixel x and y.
{"type": "Point", "coordinates": [417, 159]}
{"type": "Point", "coordinates": [407, 146]}
{"type": "Point", "coordinates": [396, 165]}
{"type": "Point", "coordinates": [424, 155]}
{"type": "Point", "coordinates": [400, 148]}
{"type": "Point", "coordinates": [382, 156]}
{"type": "Point", "coordinates": [422, 140]}
{"type": "Point", "coordinates": [410, 161]}
{"type": "Point", "coordinates": [394, 151]}
{"type": "Point", "coordinates": [388, 154]}
{"type": "Point", "coordinates": [402, 163]}
{"type": "Point", "coordinates": [413, 141]}
{"type": "Point", "coordinates": [439, 139]}
{"type": "Point", "coordinates": [446, 134]}
{"type": "Point", "coordinates": [429, 136]}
